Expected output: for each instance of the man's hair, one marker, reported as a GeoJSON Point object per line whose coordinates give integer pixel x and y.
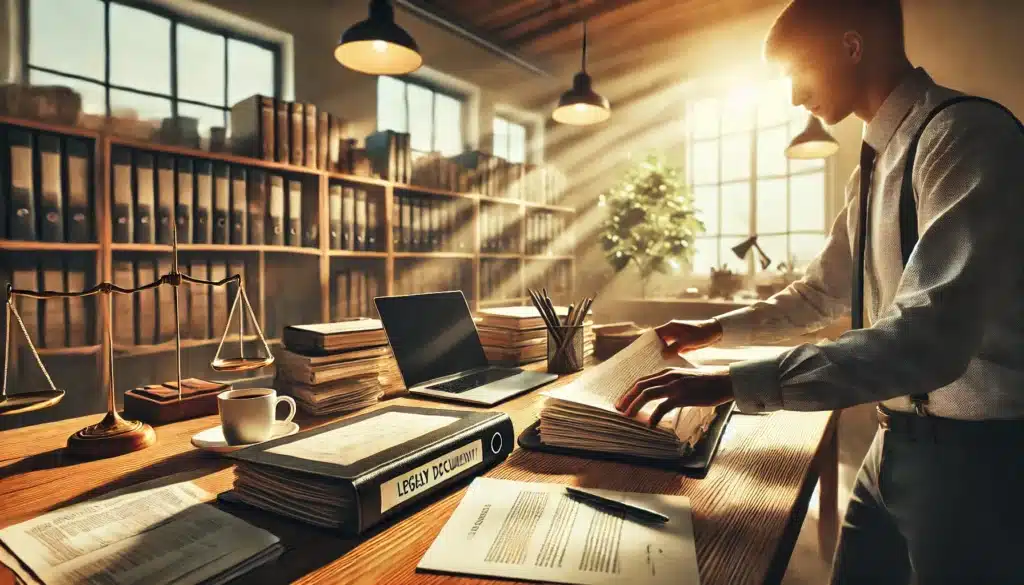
{"type": "Point", "coordinates": [804, 20]}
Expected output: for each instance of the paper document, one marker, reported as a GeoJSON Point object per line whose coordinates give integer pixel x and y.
{"type": "Point", "coordinates": [723, 356]}
{"type": "Point", "coordinates": [352, 443]}
{"type": "Point", "coordinates": [536, 532]}
{"type": "Point", "coordinates": [152, 534]}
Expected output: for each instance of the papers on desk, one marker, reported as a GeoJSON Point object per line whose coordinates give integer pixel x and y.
{"type": "Point", "coordinates": [722, 356]}
{"type": "Point", "coordinates": [536, 532]}
{"type": "Point", "coordinates": [154, 533]}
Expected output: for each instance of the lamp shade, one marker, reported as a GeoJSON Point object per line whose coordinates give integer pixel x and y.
{"type": "Point", "coordinates": [813, 142]}
{"type": "Point", "coordinates": [581, 105]}
{"type": "Point", "coordinates": [378, 46]}
{"type": "Point", "coordinates": [744, 247]}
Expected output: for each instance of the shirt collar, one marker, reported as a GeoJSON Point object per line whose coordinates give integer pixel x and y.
{"type": "Point", "coordinates": [895, 108]}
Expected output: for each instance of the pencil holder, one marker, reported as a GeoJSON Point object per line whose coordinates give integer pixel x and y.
{"type": "Point", "coordinates": [565, 353]}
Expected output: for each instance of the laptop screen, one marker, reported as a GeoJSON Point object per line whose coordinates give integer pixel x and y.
{"type": "Point", "coordinates": [432, 335]}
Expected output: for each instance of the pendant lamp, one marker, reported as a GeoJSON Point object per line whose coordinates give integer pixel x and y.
{"type": "Point", "coordinates": [813, 142]}
{"type": "Point", "coordinates": [581, 105]}
{"type": "Point", "coordinates": [378, 46]}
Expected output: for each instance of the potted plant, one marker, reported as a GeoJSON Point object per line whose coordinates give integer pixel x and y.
{"type": "Point", "coordinates": [651, 220]}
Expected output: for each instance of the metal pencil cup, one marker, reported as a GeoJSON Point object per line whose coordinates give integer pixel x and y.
{"type": "Point", "coordinates": [565, 357]}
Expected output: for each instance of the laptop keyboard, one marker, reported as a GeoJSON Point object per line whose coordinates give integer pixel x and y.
{"type": "Point", "coordinates": [473, 380]}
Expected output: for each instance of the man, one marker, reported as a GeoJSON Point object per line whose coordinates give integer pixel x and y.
{"type": "Point", "coordinates": [940, 495]}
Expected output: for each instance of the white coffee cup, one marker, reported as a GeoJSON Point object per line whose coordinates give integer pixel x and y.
{"type": "Point", "coordinates": [247, 416]}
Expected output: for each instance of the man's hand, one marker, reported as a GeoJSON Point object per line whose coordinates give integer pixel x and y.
{"type": "Point", "coordinates": [681, 336]}
{"type": "Point", "coordinates": [680, 387]}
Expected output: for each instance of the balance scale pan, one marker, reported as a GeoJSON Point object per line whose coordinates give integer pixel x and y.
{"type": "Point", "coordinates": [29, 401]}
{"type": "Point", "coordinates": [241, 364]}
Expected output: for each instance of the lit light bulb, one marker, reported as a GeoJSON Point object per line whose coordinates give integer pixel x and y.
{"type": "Point", "coordinates": [580, 107]}
{"type": "Point", "coordinates": [380, 46]}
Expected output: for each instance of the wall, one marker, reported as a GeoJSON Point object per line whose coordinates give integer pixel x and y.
{"type": "Point", "coordinates": [972, 46]}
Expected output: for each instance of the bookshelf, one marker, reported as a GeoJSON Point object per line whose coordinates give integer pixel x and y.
{"type": "Point", "coordinates": [284, 274]}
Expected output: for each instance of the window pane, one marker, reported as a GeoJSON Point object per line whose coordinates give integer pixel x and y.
{"type": "Point", "coordinates": [390, 104]}
{"type": "Point", "coordinates": [448, 124]}
{"type": "Point", "coordinates": [728, 258]}
{"type": "Point", "coordinates": [200, 65]}
{"type": "Point", "coordinates": [736, 157]}
{"type": "Point", "coordinates": [140, 49]}
{"type": "Point", "coordinates": [704, 116]}
{"type": "Point", "coordinates": [771, 152]}
{"type": "Point", "coordinates": [705, 162]}
{"type": "Point", "coordinates": [808, 197]}
{"type": "Point", "coordinates": [250, 71]}
{"type": "Point", "coordinates": [705, 201]}
{"type": "Point", "coordinates": [774, 104]}
{"type": "Point", "coordinates": [705, 256]}
{"type": "Point", "coordinates": [774, 247]}
{"type": "Point", "coordinates": [805, 247]}
{"type": "Point", "coordinates": [421, 117]}
{"type": "Point", "coordinates": [208, 117]}
{"type": "Point", "coordinates": [516, 143]}
{"type": "Point", "coordinates": [145, 107]}
{"type": "Point", "coordinates": [738, 114]}
{"type": "Point", "coordinates": [736, 208]}
{"type": "Point", "coordinates": [67, 35]}
{"type": "Point", "coordinates": [94, 100]}
{"type": "Point", "coordinates": [500, 131]}
{"type": "Point", "coordinates": [771, 206]}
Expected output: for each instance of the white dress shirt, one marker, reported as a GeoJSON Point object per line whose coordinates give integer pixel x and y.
{"type": "Point", "coordinates": [952, 325]}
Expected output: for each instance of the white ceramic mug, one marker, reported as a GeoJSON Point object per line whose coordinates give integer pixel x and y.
{"type": "Point", "coordinates": [248, 415]}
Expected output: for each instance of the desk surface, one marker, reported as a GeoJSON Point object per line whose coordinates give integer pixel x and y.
{"type": "Point", "coordinates": [747, 511]}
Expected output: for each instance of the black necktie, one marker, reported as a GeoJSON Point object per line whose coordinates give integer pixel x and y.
{"type": "Point", "coordinates": [867, 166]}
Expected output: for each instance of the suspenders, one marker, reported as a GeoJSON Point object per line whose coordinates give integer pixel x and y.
{"type": "Point", "coordinates": [908, 201]}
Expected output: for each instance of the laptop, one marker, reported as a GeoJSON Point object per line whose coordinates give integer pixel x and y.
{"type": "Point", "coordinates": [439, 354]}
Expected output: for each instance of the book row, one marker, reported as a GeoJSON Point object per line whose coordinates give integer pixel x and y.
{"type": "Point", "coordinates": [355, 218]}
{"type": "Point", "coordinates": [418, 276]}
{"type": "Point", "coordinates": [424, 223]}
{"type": "Point", "coordinates": [46, 189]}
{"type": "Point", "coordinates": [208, 201]}
{"type": "Point", "coordinates": [556, 277]}
{"type": "Point", "coordinates": [499, 279]}
{"type": "Point", "coordinates": [353, 291]}
{"type": "Point", "coordinates": [543, 228]}
{"type": "Point", "coordinates": [55, 323]}
{"type": "Point", "coordinates": [289, 132]}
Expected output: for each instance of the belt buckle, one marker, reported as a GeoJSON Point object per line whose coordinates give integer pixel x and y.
{"type": "Point", "coordinates": [883, 418]}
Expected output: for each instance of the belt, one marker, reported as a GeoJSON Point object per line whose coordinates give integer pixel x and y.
{"type": "Point", "coordinates": [948, 430]}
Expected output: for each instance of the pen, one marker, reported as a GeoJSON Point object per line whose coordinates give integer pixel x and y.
{"type": "Point", "coordinates": [632, 510]}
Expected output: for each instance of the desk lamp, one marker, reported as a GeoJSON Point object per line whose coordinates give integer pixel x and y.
{"type": "Point", "coordinates": [743, 247]}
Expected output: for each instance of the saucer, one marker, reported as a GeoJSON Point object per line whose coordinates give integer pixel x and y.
{"type": "Point", "coordinates": [213, 439]}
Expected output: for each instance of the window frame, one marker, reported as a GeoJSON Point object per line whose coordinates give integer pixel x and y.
{"type": "Point", "coordinates": [435, 89]}
{"type": "Point", "coordinates": [510, 121]}
{"type": "Point", "coordinates": [280, 50]}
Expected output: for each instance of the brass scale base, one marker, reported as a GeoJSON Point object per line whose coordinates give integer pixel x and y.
{"type": "Point", "coordinates": [111, 436]}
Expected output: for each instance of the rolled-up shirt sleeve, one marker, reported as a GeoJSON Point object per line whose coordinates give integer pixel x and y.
{"type": "Point", "coordinates": [969, 179]}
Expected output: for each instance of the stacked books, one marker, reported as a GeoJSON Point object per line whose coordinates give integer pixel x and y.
{"type": "Point", "coordinates": [334, 368]}
{"type": "Point", "coordinates": [517, 335]}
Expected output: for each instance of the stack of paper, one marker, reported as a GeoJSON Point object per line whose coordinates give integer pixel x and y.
{"type": "Point", "coordinates": [582, 414]}
{"type": "Point", "coordinates": [512, 336]}
{"type": "Point", "coordinates": [155, 532]}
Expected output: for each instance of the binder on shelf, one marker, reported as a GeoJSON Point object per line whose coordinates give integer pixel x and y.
{"type": "Point", "coordinates": [295, 147]}
{"type": "Point", "coordinates": [221, 204]}
{"type": "Point", "coordinates": [165, 201]}
{"type": "Point", "coordinates": [165, 305]}
{"type": "Point", "coordinates": [185, 200]}
{"type": "Point", "coordinates": [396, 223]}
{"type": "Point", "coordinates": [121, 177]}
{"type": "Point", "coordinates": [322, 135]}
{"type": "Point", "coordinates": [336, 144]}
{"type": "Point", "coordinates": [310, 139]}
{"type": "Point", "coordinates": [239, 228]}
{"type": "Point", "coordinates": [22, 193]}
{"type": "Point", "coordinates": [282, 154]}
{"type": "Point", "coordinates": [416, 205]}
{"type": "Point", "coordinates": [26, 277]}
{"type": "Point", "coordinates": [252, 127]}
{"type": "Point", "coordinates": [275, 212]}
{"type": "Point", "coordinates": [310, 209]}
{"type": "Point", "coordinates": [77, 209]}
{"type": "Point", "coordinates": [124, 305]}
{"type": "Point", "coordinates": [371, 220]}
{"type": "Point", "coordinates": [360, 224]}
{"type": "Point", "coordinates": [203, 229]}
{"type": "Point", "coordinates": [78, 319]}
{"type": "Point", "coordinates": [435, 225]}
{"type": "Point", "coordinates": [406, 203]}
{"type": "Point", "coordinates": [335, 216]}
{"type": "Point", "coordinates": [199, 305]}
{"type": "Point", "coordinates": [341, 295]}
{"type": "Point", "coordinates": [256, 204]}
{"type": "Point", "coordinates": [51, 212]}
{"type": "Point", "coordinates": [293, 215]}
{"type": "Point", "coordinates": [145, 199]}
{"type": "Point", "coordinates": [219, 302]}
{"type": "Point", "coordinates": [53, 311]}
{"type": "Point", "coordinates": [348, 204]}
{"type": "Point", "coordinates": [146, 331]}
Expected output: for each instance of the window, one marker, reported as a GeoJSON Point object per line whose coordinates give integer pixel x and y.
{"type": "Point", "coordinates": [509, 140]}
{"type": "Point", "coordinates": [146, 59]}
{"type": "Point", "coordinates": [432, 118]}
{"type": "Point", "coordinates": [743, 184]}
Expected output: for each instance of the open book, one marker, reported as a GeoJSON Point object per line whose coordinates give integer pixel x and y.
{"type": "Point", "coordinates": [582, 414]}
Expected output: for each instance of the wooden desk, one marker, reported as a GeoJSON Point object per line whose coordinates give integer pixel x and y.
{"type": "Point", "coordinates": [747, 511]}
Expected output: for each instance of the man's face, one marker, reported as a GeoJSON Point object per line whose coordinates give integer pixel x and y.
{"type": "Point", "coordinates": [825, 78]}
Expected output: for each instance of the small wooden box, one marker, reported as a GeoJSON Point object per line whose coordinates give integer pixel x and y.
{"type": "Point", "coordinates": [159, 403]}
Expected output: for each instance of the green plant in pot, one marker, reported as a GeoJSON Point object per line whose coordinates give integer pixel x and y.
{"type": "Point", "coordinates": [651, 220]}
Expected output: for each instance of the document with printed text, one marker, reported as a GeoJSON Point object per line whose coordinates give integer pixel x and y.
{"type": "Point", "coordinates": [536, 532]}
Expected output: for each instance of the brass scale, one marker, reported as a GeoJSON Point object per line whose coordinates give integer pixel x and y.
{"type": "Point", "coordinates": [114, 427]}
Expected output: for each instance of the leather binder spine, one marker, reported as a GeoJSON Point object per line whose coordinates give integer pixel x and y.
{"type": "Point", "coordinates": [281, 133]}
{"type": "Point", "coordinates": [202, 228]}
{"type": "Point", "coordinates": [164, 198]}
{"type": "Point", "coordinates": [23, 206]}
{"type": "Point", "coordinates": [348, 204]}
{"type": "Point", "coordinates": [405, 202]}
{"type": "Point", "coordinates": [371, 221]}
{"type": "Point", "coordinates": [77, 212]}
{"type": "Point", "coordinates": [221, 204]}
{"type": "Point", "coordinates": [294, 231]}
{"type": "Point", "coordinates": [185, 201]}
{"type": "Point", "coordinates": [256, 204]}
{"type": "Point", "coordinates": [310, 221]}
{"type": "Point", "coordinates": [360, 225]}
{"type": "Point", "coordinates": [396, 223]}
{"type": "Point", "coordinates": [415, 205]}
{"type": "Point", "coordinates": [334, 145]}
{"type": "Point", "coordinates": [335, 216]}
{"type": "Point", "coordinates": [51, 212]}
{"type": "Point", "coordinates": [295, 147]}
{"type": "Point", "coordinates": [275, 212]}
{"type": "Point", "coordinates": [389, 490]}
{"type": "Point", "coordinates": [144, 198]}
{"type": "Point", "coordinates": [239, 228]}
{"type": "Point", "coordinates": [310, 139]}
{"type": "Point", "coordinates": [322, 129]}
{"type": "Point", "coordinates": [121, 160]}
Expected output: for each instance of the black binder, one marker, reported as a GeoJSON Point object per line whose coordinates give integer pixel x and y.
{"type": "Point", "coordinates": [164, 199]}
{"type": "Point", "coordinates": [121, 190]}
{"type": "Point", "coordinates": [203, 208]}
{"type": "Point", "coordinates": [385, 484]}
{"type": "Point", "coordinates": [185, 200]}
{"type": "Point", "coordinates": [221, 203]}
{"type": "Point", "coordinates": [51, 212]}
{"type": "Point", "coordinates": [77, 207]}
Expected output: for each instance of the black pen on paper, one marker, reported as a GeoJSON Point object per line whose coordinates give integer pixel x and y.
{"type": "Point", "coordinates": [630, 510]}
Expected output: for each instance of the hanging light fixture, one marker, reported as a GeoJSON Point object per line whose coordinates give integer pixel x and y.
{"type": "Point", "coordinates": [813, 142]}
{"type": "Point", "coordinates": [581, 105]}
{"type": "Point", "coordinates": [378, 46]}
